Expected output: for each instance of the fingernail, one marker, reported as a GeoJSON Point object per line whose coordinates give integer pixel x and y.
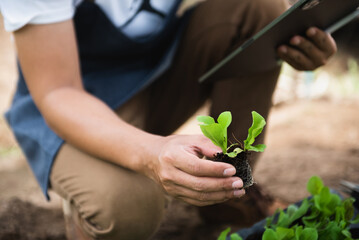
{"type": "Point", "coordinates": [312, 31]}
{"type": "Point", "coordinates": [295, 41]}
{"type": "Point", "coordinates": [229, 172]}
{"type": "Point", "coordinates": [237, 184]}
{"type": "Point", "coordinates": [238, 193]}
{"type": "Point", "coordinates": [283, 49]}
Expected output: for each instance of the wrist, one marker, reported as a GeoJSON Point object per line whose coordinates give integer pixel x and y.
{"type": "Point", "coordinates": [146, 154]}
{"type": "Point", "coordinates": [150, 160]}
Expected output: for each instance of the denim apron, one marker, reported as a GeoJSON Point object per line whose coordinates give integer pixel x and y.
{"type": "Point", "coordinates": [114, 67]}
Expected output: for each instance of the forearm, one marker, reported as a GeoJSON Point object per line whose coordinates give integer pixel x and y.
{"type": "Point", "coordinates": [89, 124]}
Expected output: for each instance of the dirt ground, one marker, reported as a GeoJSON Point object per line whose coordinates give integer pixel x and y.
{"type": "Point", "coordinates": [304, 138]}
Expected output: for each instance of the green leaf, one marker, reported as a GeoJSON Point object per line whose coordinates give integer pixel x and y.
{"type": "Point", "coordinates": [270, 234]}
{"type": "Point", "coordinates": [291, 210]}
{"type": "Point", "coordinates": [315, 185]}
{"type": "Point", "coordinates": [285, 233]}
{"type": "Point", "coordinates": [331, 232]}
{"type": "Point", "coordinates": [235, 236]}
{"type": "Point", "coordinates": [257, 148]}
{"type": "Point", "coordinates": [322, 199]}
{"type": "Point", "coordinates": [348, 208]}
{"type": "Point", "coordinates": [334, 202]}
{"type": "Point", "coordinates": [346, 233]}
{"type": "Point", "coordinates": [238, 150]}
{"type": "Point", "coordinates": [233, 145]}
{"type": "Point", "coordinates": [309, 234]}
{"type": "Point", "coordinates": [283, 219]}
{"type": "Point", "coordinates": [225, 119]}
{"type": "Point", "coordinates": [302, 210]}
{"type": "Point", "coordinates": [231, 154]}
{"type": "Point", "coordinates": [339, 214]}
{"type": "Point", "coordinates": [298, 232]}
{"type": "Point", "coordinates": [311, 220]}
{"type": "Point", "coordinates": [216, 132]}
{"type": "Point", "coordinates": [258, 124]}
{"type": "Point", "coordinates": [235, 152]}
{"type": "Point", "coordinates": [205, 120]}
{"type": "Point", "coordinates": [224, 234]}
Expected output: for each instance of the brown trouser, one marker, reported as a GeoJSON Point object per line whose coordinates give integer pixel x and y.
{"type": "Point", "coordinates": [111, 202]}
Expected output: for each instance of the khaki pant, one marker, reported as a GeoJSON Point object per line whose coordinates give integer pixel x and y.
{"type": "Point", "coordinates": [111, 202]}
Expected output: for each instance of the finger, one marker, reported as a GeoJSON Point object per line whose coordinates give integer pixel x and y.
{"type": "Point", "coordinates": [210, 196]}
{"type": "Point", "coordinates": [313, 53]}
{"type": "Point", "coordinates": [295, 58]}
{"type": "Point", "coordinates": [198, 203]}
{"type": "Point", "coordinates": [204, 184]}
{"type": "Point", "coordinates": [204, 168]}
{"type": "Point", "coordinates": [322, 40]}
{"type": "Point", "coordinates": [205, 147]}
{"type": "Point", "coordinates": [203, 199]}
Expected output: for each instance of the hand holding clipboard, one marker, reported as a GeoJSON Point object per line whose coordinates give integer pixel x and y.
{"type": "Point", "coordinates": [259, 53]}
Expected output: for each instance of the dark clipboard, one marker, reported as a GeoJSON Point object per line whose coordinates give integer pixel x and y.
{"type": "Point", "coordinates": [258, 54]}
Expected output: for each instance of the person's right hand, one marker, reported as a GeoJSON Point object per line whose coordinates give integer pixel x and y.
{"type": "Point", "coordinates": [184, 174]}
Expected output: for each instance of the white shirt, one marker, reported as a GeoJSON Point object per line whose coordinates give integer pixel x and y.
{"type": "Point", "coordinates": [18, 13]}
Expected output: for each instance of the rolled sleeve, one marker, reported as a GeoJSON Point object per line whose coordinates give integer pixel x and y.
{"type": "Point", "coordinates": [18, 13]}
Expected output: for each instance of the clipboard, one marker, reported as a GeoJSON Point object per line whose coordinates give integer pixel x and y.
{"type": "Point", "coordinates": [258, 54]}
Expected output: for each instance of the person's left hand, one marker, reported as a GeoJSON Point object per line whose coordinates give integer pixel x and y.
{"type": "Point", "coordinates": [310, 52]}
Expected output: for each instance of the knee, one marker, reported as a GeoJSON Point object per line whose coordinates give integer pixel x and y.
{"type": "Point", "coordinates": [125, 212]}
{"type": "Point", "coordinates": [220, 25]}
{"type": "Point", "coordinates": [214, 13]}
{"type": "Point", "coordinates": [265, 11]}
{"type": "Point", "coordinates": [256, 14]}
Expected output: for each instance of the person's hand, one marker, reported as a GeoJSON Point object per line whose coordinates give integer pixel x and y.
{"type": "Point", "coordinates": [310, 52]}
{"type": "Point", "coordinates": [184, 174]}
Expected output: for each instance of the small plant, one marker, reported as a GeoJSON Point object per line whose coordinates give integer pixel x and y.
{"type": "Point", "coordinates": [217, 132]}
{"type": "Point", "coordinates": [234, 154]}
{"type": "Point", "coordinates": [324, 216]}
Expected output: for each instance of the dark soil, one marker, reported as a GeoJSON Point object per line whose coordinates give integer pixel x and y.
{"type": "Point", "coordinates": [21, 220]}
{"type": "Point", "coordinates": [241, 163]}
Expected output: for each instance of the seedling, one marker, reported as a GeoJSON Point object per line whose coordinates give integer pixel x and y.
{"type": "Point", "coordinates": [217, 132]}
{"type": "Point", "coordinates": [234, 154]}
{"type": "Point", "coordinates": [324, 216]}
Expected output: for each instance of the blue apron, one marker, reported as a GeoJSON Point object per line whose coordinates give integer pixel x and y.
{"type": "Point", "coordinates": [114, 67]}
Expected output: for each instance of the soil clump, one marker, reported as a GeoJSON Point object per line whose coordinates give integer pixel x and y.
{"type": "Point", "coordinates": [241, 163]}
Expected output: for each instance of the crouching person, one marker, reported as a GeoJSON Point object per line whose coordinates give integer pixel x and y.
{"type": "Point", "coordinates": [104, 84]}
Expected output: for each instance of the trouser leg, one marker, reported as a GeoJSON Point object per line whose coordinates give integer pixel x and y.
{"type": "Point", "coordinates": [108, 201]}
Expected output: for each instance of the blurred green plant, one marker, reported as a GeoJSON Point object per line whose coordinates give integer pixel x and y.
{"type": "Point", "coordinates": [324, 216]}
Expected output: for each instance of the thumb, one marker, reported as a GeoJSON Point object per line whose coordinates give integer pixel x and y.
{"type": "Point", "coordinates": [207, 147]}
